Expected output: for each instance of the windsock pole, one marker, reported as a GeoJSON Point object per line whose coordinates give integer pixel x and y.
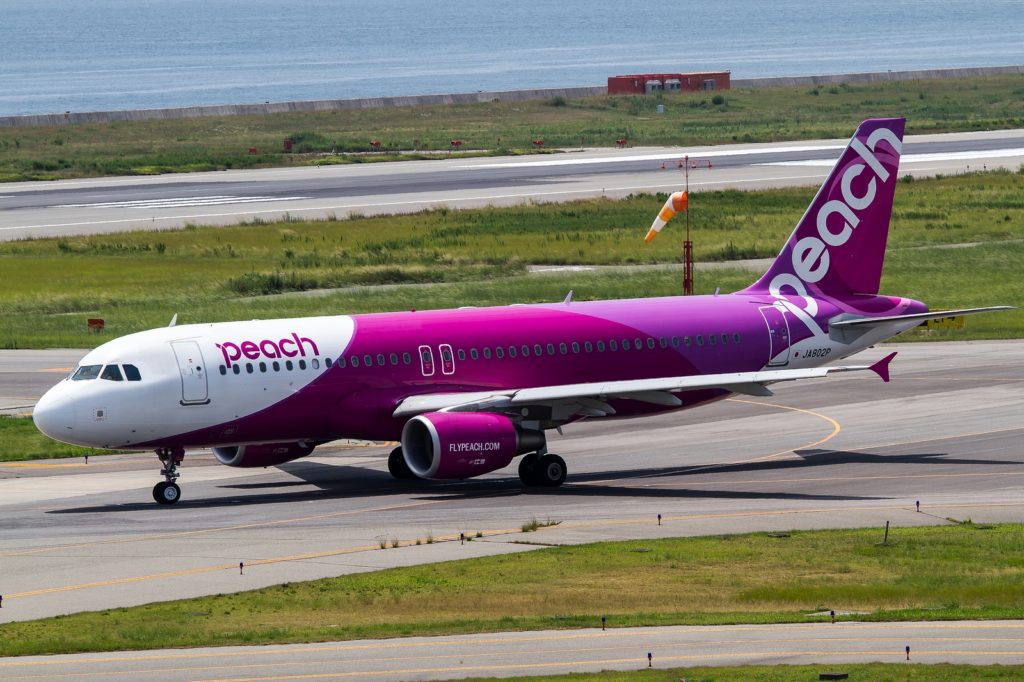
{"type": "Point", "coordinates": [687, 244]}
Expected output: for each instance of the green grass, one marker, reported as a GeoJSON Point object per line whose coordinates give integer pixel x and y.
{"type": "Point", "coordinates": [789, 113]}
{"type": "Point", "coordinates": [21, 440]}
{"type": "Point", "coordinates": [928, 573]}
{"type": "Point", "coordinates": [876, 672]}
{"type": "Point", "coordinates": [139, 280]}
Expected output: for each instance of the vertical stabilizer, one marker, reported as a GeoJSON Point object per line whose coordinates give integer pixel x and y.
{"type": "Point", "coordinates": [838, 247]}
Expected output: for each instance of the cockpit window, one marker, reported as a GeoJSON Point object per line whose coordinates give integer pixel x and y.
{"type": "Point", "coordinates": [86, 372]}
{"type": "Point", "coordinates": [111, 373]}
{"type": "Point", "coordinates": [131, 373]}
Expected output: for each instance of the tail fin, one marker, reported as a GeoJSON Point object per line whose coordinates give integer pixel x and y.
{"type": "Point", "coordinates": [838, 247]}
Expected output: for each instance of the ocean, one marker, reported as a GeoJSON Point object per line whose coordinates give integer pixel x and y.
{"type": "Point", "coordinates": [87, 55]}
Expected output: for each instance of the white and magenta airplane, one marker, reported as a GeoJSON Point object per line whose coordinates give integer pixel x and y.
{"type": "Point", "coordinates": [466, 391]}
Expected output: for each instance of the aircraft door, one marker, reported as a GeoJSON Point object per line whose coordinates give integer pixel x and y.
{"type": "Point", "coordinates": [194, 387]}
{"type": "Point", "coordinates": [426, 361]}
{"type": "Point", "coordinates": [778, 335]}
{"type": "Point", "coordinates": [447, 359]}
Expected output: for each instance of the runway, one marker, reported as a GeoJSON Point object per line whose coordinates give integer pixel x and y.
{"type": "Point", "coordinates": [74, 207]}
{"type": "Point", "coordinates": [844, 451]}
{"type": "Point", "coordinates": [551, 652]}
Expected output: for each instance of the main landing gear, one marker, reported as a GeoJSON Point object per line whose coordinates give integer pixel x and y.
{"type": "Point", "coordinates": [397, 466]}
{"type": "Point", "coordinates": [542, 470]}
{"type": "Point", "coordinates": [168, 492]}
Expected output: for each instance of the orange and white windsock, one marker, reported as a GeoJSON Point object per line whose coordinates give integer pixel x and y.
{"type": "Point", "coordinates": [676, 203]}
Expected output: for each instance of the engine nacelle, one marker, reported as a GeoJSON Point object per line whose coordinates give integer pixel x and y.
{"type": "Point", "coordinates": [463, 444]}
{"type": "Point", "coordinates": [261, 454]}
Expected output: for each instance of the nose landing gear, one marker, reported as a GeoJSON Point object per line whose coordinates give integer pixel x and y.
{"type": "Point", "coordinates": [167, 491]}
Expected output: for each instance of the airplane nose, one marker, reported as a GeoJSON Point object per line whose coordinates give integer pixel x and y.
{"type": "Point", "coordinates": [54, 415]}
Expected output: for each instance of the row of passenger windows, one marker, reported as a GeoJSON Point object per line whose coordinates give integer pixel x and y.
{"type": "Point", "coordinates": [275, 366]}
{"type": "Point", "coordinates": [108, 372]}
{"type": "Point", "coordinates": [538, 350]}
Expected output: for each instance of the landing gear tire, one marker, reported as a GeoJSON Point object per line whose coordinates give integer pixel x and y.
{"type": "Point", "coordinates": [397, 466]}
{"type": "Point", "coordinates": [550, 471]}
{"type": "Point", "coordinates": [528, 470]}
{"type": "Point", "coordinates": [166, 493]}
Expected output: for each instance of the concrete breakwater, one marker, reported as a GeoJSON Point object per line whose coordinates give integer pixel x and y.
{"type": "Point", "coordinates": [471, 97]}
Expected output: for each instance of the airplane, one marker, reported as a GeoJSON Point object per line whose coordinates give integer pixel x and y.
{"type": "Point", "coordinates": [468, 390]}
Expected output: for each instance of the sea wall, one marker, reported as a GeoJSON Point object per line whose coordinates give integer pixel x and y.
{"type": "Point", "coordinates": [468, 97]}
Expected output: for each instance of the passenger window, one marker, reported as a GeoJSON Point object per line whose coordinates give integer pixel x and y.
{"type": "Point", "coordinates": [236, 369]}
{"type": "Point", "coordinates": [675, 342]}
{"type": "Point", "coordinates": [600, 346]}
{"type": "Point", "coordinates": [86, 372]}
{"type": "Point", "coordinates": [394, 359]}
{"type": "Point", "coordinates": [700, 340]}
{"type": "Point", "coordinates": [613, 345]}
{"type": "Point", "coordinates": [511, 351]}
{"type": "Point", "coordinates": [487, 353]}
{"type": "Point", "coordinates": [407, 358]}
{"type": "Point", "coordinates": [131, 373]}
{"type": "Point", "coordinates": [368, 360]}
{"type": "Point", "coordinates": [473, 354]}
{"type": "Point", "coordinates": [111, 373]}
{"type": "Point", "coordinates": [575, 347]}
{"type": "Point", "coordinates": [328, 363]}
{"type": "Point", "coordinates": [500, 352]}
{"type": "Point", "coordinates": [563, 349]}
{"type": "Point", "coordinates": [263, 367]}
{"type": "Point", "coordinates": [638, 344]}
{"type": "Point", "coordinates": [711, 339]}
{"type": "Point", "coordinates": [302, 364]}
{"type": "Point", "coordinates": [589, 347]}
{"type": "Point", "coordinates": [248, 367]}
{"type": "Point", "coordinates": [537, 350]}
{"type": "Point", "coordinates": [446, 354]}
{"type": "Point", "coordinates": [526, 351]}
{"type": "Point", "coordinates": [650, 342]}
{"type": "Point", "coordinates": [315, 362]}
{"type": "Point", "coordinates": [551, 349]}
{"type": "Point", "coordinates": [735, 337]}
{"type": "Point", "coordinates": [625, 344]}
{"type": "Point", "coordinates": [380, 360]}
{"type": "Point", "coordinates": [289, 366]}
{"type": "Point", "coordinates": [462, 354]}
{"type": "Point", "coordinates": [725, 339]}
{"type": "Point", "coordinates": [277, 365]}
{"type": "Point", "coordinates": [354, 361]}
{"type": "Point", "coordinates": [223, 370]}
{"type": "Point", "coordinates": [686, 340]}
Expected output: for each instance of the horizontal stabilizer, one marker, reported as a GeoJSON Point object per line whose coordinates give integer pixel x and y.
{"type": "Point", "coordinates": [921, 317]}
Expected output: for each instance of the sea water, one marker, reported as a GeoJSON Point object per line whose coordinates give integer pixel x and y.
{"type": "Point", "coordinates": [86, 55]}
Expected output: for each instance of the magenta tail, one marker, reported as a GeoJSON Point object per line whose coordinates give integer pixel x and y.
{"type": "Point", "coordinates": [838, 247]}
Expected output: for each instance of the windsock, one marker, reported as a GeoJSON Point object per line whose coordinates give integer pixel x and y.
{"type": "Point", "coordinates": [676, 203]}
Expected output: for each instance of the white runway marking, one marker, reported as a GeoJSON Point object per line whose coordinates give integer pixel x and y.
{"type": "Point", "coordinates": [662, 156]}
{"type": "Point", "coordinates": [182, 202]}
{"type": "Point", "coordinates": [917, 158]}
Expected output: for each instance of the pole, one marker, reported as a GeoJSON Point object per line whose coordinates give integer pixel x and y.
{"type": "Point", "coordinates": [687, 244]}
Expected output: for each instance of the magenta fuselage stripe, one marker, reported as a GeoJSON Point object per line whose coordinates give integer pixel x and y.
{"type": "Point", "coordinates": [357, 402]}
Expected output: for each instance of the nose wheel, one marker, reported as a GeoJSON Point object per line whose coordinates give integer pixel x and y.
{"type": "Point", "coordinates": [168, 491]}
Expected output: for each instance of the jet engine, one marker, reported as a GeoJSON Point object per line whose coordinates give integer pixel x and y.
{"type": "Point", "coordinates": [464, 444]}
{"type": "Point", "coordinates": [261, 454]}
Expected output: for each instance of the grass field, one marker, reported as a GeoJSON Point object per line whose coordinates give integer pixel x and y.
{"type": "Point", "coordinates": [931, 573]}
{"type": "Point", "coordinates": [873, 672]}
{"type": "Point", "coordinates": [21, 440]}
{"type": "Point", "coordinates": [147, 147]}
{"type": "Point", "coordinates": [449, 258]}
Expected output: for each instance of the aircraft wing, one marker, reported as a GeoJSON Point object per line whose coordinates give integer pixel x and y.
{"type": "Point", "coordinates": [590, 399]}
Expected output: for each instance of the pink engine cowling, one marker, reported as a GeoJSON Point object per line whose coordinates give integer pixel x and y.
{"type": "Point", "coordinates": [261, 454]}
{"type": "Point", "coordinates": [463, 444]}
